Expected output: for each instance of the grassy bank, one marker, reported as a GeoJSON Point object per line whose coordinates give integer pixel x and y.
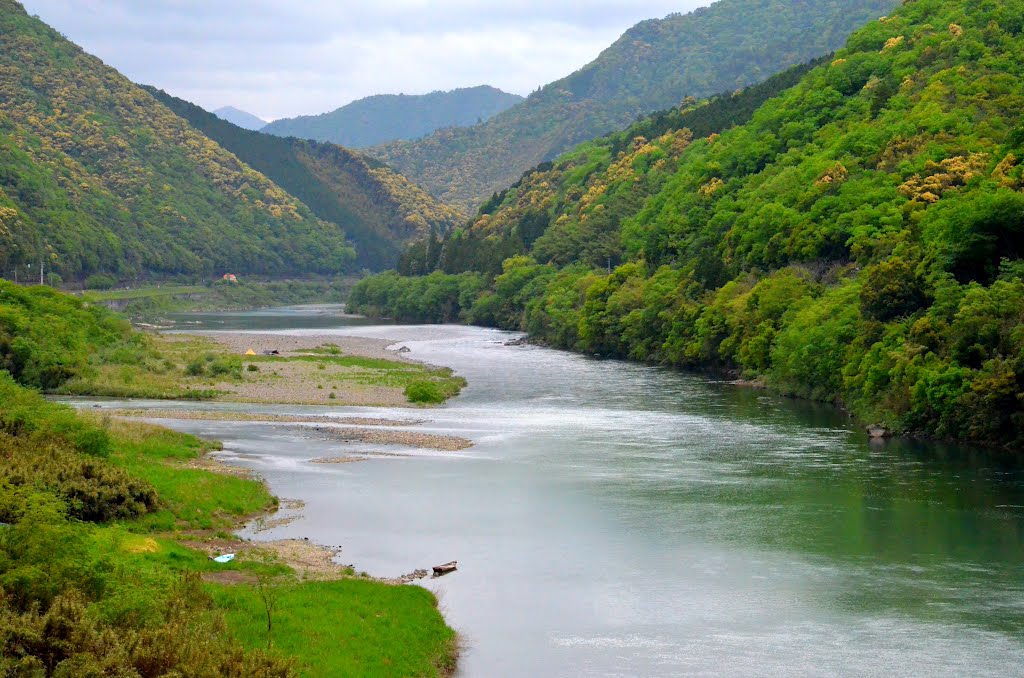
{"type": "Point", "coordinates": [122, 594]}
{"type": "Point", "coordinates": [351, 627]}
{"type": "Point", "coordinates": [70, 346]}
{"type": "Point", "coordinates": [152, 302]}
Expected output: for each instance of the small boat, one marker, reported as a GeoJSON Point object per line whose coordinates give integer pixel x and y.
{"type": "Point", "coordinates": [440, 570]}
{"type": "Point", "coordinates": [226, 558]}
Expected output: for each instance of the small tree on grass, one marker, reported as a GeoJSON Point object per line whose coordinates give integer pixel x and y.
{"type": "Point", "coordinates": [269, 582]}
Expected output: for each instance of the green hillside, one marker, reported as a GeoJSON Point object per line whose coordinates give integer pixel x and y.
{"type": "Point", "coordinates": [379, 210]}
{"type": "Point", "coordinates": [859, 240]}
{"type": "Point", "coordinates": [392, 117]}
{"type": "Point", "coordinates": [96, 176]}
{"type": "Point", "coordinates": [654, 65]}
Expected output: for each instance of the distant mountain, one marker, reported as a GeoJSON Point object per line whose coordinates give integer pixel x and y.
{"type": "Point", "coordinates": [390, 117]}
{"type": "Point", "coordinates": [655, 65]}
{"type": "Point", "coordinates": [379, 210]}
{"type": "Point", "coordinates": [96, 176]}
{"type": "Point", "coordinates": [241, 118]}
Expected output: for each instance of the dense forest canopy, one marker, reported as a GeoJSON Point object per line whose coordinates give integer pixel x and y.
{"type": "Point", "coordinates": [393, 117]}
{"type": "Point", "coordinates": [97, 176]}
{"type": "Point", "coordinates": [654, 65]}
{"type": "Point", "coordinates": [859, 239]}
{"type": "Point", "coordinates": [379, 210]}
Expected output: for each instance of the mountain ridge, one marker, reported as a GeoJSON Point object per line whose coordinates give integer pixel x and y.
{"type": "Point", "coordinates": [654, 65]}
{"type": "Point", "coordinates": [381, 211]}
{"type": "Point", "coordinates": [243, 119]}
{"type": "Point", "coordinates": [390, 117]}
{"type": "Point", "coordinates": [96, 176]}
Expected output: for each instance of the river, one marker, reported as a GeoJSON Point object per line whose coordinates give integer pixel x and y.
{"type": "Point", "coordinates": [616, 519]}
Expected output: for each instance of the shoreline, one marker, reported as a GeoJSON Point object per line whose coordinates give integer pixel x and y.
{"type": "Point", "coordinates": [315, 369]}
{"type": "Point", "coordinates": [310, 561]}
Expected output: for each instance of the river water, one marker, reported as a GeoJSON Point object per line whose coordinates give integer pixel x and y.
{"type": "Point", "coordinates": [621, 520]}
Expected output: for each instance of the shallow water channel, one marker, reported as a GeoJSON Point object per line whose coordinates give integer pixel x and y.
{"type": "Point", "coordinates": [621, 520]}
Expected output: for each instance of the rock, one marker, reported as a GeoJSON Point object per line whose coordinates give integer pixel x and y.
{"type": "Point", "coordinates": [405, 349]}
{"type": "Point", "coordinates": [879, 432]}
{"type": "Point", "coordinates": [521, 341]}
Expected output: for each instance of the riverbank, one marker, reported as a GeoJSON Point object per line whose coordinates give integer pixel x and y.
{"type": "Point", "coordinates": [342, 429]}
{"type": "Point", "coordinates": [906, 372]}
{"type": "Point", "coordinates": [321, 370]}
{"type": "Point", "coordinates": [153, 302]}
{"type": "Point", "coordinates": [139, 512]}
{"type": "Point", "coordinates": [266, 368]}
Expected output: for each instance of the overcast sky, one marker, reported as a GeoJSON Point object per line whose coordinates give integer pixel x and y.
{"type": "Point", "coordinates": [280, 58]}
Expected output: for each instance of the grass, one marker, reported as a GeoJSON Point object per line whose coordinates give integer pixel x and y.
{"type": "Point", "coordinates": [94, 512]}
{"type": "Point", "coordinates": [99, 296]}
{"type": "Point", "coordinates": [151, 303]}
{"type": "Point", "coordinates": [191, 497]}
{"type": "Point", "coordinates": [350, 627]}
{"type": "Point", "coordinates": [334, 628]}
{"type": "Point", "coordinates": [338, 628]}
{"type": "Point", "coordinates": [330, 370]}
{"type": "Point", "coordinates": [184, 367]}
{"type": "Point", "coordinates": [162, 371]}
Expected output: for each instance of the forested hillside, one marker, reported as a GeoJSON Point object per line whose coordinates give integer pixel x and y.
{"type": "Point", "coordinates": [392, 117]}
{"type": "Point", "coordinates": [379, 210]}
{"type": "Point", "coordinates": [655, 65]}
{"type": "Point", "coordinates": [96, 176]}
{"type": "Point", "coordinates": [859, 240]}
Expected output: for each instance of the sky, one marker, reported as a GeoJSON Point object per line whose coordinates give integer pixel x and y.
{"type": "Point", "coordinates": [281, 58]}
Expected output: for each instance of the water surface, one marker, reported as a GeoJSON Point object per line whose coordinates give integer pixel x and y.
{"type": "Point", "coordinates": [622, 520]}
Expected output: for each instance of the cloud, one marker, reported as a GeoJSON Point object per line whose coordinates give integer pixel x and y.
{"type": "Point", "coordinates": [279, 58]}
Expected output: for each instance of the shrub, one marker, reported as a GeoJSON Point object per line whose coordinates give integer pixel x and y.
{"type": "Point", "coordinates": [225, 366]}
{"type": "Point", "coordinates": [94, 489]}
{"type": "Point", "coordinates": [424, 392]}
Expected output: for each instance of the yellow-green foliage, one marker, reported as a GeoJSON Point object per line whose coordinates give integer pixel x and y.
{"type": "Point", "coordinates": [653, 66]}
{"type": "Point", "coordinates": [379, 209]}
{"type": "Point", "coordinates": [857, 239]}
{"type": "Point", "coordinates": [347, 628]}
{"type": "Point", "coordinates": [47, 338]}
{"type": "Point", "coordinates": [57, 342]}
{"type": "Point", "coordinates": [100, 177]}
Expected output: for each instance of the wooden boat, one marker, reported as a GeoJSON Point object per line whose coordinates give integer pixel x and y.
{"type": "Point", "coordinates": [446, 568]}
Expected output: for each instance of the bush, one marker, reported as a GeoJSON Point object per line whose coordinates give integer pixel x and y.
{"type": "Point", "coordinates": [48, 446]}
{"type": "Point", "coordinates": [425, 392]}
{"type": "Point", "coordinates": [225, 366]}
{"type": "Point", "coordinates": [48, 338]}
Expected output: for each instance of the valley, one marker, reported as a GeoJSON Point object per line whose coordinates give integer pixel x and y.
{"type": "Point", "coordinates": [705, 359]}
